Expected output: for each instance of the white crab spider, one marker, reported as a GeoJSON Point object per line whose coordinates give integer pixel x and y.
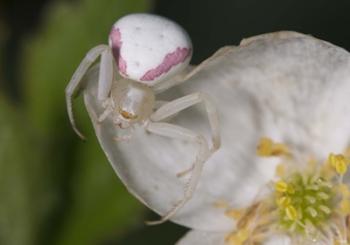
{"type": "Point", "coordinates": [147, 50]}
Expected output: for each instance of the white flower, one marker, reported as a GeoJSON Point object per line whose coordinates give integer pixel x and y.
{"type": "Point", "coordinates": [293, 89]}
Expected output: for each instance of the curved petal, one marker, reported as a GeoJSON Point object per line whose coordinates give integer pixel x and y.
{"type": "Point", "coordinates": [196, 237]}
{"type": "Point", "coordinates": [291, 87]}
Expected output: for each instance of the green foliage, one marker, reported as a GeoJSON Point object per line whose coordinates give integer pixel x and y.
{"type": "Point", "coordinates": [86, 203]}
{"type": "Point", "coordinates": [101, 208]}
{"type": "Point", "coordinates": [23, 190]}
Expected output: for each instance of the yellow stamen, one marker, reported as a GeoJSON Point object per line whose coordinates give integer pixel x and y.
{"type": "Point", "coordinates": [291, 212]}
{"type": "Point", "coordinates": [341, 168]}
{"type": "Point", "coordinates": [339, 162]}
{"type": "Point", "coordinates": [306, 201]}
{"type": "Point", "coordinates": [267, 148]}
{"type": "Point", "coordinates": [281, 186]}
{"type": "Point", "coordinates": [235, 213]}
{"type": "Point", "coordinates": [238, 238]}
{"type": "Point", "coordinates": [284, 201]}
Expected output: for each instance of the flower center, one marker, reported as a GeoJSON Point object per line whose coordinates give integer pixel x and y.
{"type": "Point", "coordinates": [309, 204]}
{"type": "Point", "coordinates": [304, 201]}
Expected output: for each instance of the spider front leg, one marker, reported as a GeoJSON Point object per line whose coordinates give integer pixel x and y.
{"type": "Point", "coordinates": [106, 75]}
{"type": "Point", "coordinates": [177, 105]}
{"type": "Point", "coordinates": [177, 132]}
{"type": "Point", "coordinates": [109, 106]}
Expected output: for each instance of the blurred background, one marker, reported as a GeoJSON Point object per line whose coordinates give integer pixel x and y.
{"type": "Point", "coordinates": [56, 189]}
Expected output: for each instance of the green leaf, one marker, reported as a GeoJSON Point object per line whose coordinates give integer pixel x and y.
{"type": "Point", "coordinates": [102, 208]}
{"type": "Point", "coordinates": [91, 204]}
{"type": "Point", "coordinates": [24, 195]}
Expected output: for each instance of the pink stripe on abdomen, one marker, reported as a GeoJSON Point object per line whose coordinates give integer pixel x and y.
{"type": "Point", "coordinates": [116, 45]}
{"type": "Point", "coordinates": [170, 60]}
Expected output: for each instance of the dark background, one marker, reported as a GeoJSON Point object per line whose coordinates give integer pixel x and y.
{"type": "Point", "coordinates": [211, 24]}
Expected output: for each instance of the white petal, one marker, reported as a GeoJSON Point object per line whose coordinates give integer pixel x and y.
{"type": "Point", "coordinates": [293, 89]}
{"type": "Point", "coordinates": [196, 237]}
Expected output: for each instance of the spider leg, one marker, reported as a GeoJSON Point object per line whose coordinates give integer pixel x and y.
{"type": "Point", "coordinates": [75, 84]}
{"type": "Point", "coordinates": [108, 105]}
{"type": "Point", "coordinates": [160, 103]}
{"type": "Point", "coordinates": [177, 132]}
{"type": "Point", "coordinates": [106, 75]}
{"type": "Point", "coordinates": [187, 101]}
{"type": "Point", "coordinates": [105, 114]}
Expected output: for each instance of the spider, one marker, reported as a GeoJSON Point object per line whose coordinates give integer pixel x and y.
{"type": "Point", "coordinates": [150, 53]}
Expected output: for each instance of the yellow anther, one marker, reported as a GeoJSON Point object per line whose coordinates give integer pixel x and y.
{"type": "Point", "coordinates": [339, 162]}
{"type": "Point", "coordinates": [238, 238]}
{"type": "Point", "coordinates": [284, 201]}
{"type": "Point", "coordinates": [235, 213]}
{"type": "Point", "coordinates": [267, 148]}
{"type": "Point", "coordinates": [279, 149]}
{"type": "Point", "coordinates": [281, 186]}
{"type": "Point", "coordinates": [243, 235]}
{"type": "Point", "coordinates": [341, 168]}
{"type": "Point", "coordinates": [291, 212]}
{"type": "Point", "coordinates": [332, 159]}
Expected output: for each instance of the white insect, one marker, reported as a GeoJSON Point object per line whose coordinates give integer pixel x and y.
{"type": "Point", "coordinates": [147, 50]}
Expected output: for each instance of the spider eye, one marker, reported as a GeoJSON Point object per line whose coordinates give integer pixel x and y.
{"type": "Point", "coordinates": [127, 115]}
